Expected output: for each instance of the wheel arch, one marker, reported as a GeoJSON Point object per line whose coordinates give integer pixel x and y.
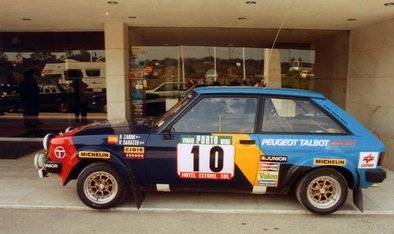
{"type": "Point", "coordinates": [346, 173]}
{"type": "Point", "coordinates": [114, 161]}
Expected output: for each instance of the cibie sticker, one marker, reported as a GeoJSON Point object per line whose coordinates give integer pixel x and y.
{"type": "Point", "coordinates": [196, 160]}
{"type": "Point", "coordinates": [368, 160]}
{"type": "Point", "coordinates": [132, 152]}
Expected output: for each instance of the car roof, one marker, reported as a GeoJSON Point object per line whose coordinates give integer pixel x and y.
{"type": "Point", "coordinates": [257, 90]}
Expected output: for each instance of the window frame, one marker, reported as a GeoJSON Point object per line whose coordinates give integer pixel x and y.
{"type": "Point", "coordinates": [346, 131]}
{"type": "Point", "coordinates": [201, 97]}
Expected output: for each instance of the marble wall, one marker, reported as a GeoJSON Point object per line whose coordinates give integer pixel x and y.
{"type": "Point", "coordinates": [370, 81]}
{"type": "Point", "coordinates": [331, 64]}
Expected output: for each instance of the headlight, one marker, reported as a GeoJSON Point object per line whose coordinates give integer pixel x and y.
{"type": "Point", "coordinates": [68, 129]}
{"type": "Point", "coordinates": [46, 140]}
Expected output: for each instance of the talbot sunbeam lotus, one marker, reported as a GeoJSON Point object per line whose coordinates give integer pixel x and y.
{"type": "Point", "coordinates": [224, 139]}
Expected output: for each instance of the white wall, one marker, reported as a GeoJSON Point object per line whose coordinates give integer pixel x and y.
{"type": "Point", "coordinates": [370, 82]}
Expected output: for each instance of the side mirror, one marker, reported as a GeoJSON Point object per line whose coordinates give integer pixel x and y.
{"type": "Point", "coordinates": [167, 133]}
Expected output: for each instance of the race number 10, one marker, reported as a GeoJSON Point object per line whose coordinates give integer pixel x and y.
{"type": "Point", "coordinates": [215, 162]}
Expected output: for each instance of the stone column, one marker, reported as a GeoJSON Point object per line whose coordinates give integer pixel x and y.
{"type": "Point", "coordinates": [117, 70]}
{"type": "Point", "coordinates": [272, 70]}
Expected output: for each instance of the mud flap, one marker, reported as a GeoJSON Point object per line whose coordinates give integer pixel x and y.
{"type": "Point", "coordinates": [139, 196]}
{"type": "Point", "coordinates": [358, 197]}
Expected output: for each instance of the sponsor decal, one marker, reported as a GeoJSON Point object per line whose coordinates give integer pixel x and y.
{"type": "Point", "coordinates": [269, 179]}
{"type": "Point", "coordinates": [60, 152]}
{"type": "Point", "coordinates": [206, 140]}
{"type": "Point", "coordinates": [52, 165]}
{"type": "Point", "coordinates": [132, 152]}
{"type": "Point", "coordinates": [205, 175]}
{"type": "Point", "coordinates": [205, 157]}
{"type": "Point", "coordinates": [329, 161]}
{"type": "Point", "coordinates": [268, 174]}
{"type": "Point", "coordinates": [266, 166]}
{"type": "Point", "coordinates": [272, 158]}
{"type": "Point", "coordinates": [368, 160]}
{"type": "Point", "coordinates": [125, 139]}
{"type": "Point", "coordinates": [295, 142]}
{"type": "Point", "coordinates": [343, 143]}
{"type": "Point", "coordinates": [94, 154]}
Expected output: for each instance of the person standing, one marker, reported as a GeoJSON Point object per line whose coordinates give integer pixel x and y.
{"type": "Point", "coordinates": [30, 99]}
{"type": "Point", "coordinates": [80, 101]}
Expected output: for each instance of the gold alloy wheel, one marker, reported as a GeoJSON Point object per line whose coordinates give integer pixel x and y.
{"type": "Point", "coordinates": [101, 187]}
{"type": "Point", "coordinates": [324, 192]}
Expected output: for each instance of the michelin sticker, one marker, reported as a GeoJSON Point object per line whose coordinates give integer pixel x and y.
{"type": "Point", "coordinates": [329, 162]}
{"type": "Point", "coordinates": [94, 154]}
{"type": "Point", "coordinates": [205, 157]}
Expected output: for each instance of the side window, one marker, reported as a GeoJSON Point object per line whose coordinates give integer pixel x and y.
{"type": "Point", "coordinates": [93, 72]}
{"type": "Point", "coordinates": [296, 116]}
{"type": "Point", "coordinates": [165, 87]}
{"type": "Point", "coordinates": [220, 114]}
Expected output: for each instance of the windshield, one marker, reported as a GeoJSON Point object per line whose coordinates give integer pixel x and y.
{"type": "Point", "coordinates": [174, 110]}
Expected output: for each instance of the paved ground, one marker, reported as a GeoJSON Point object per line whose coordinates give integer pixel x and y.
{"type": "Point", "coordinates": [21, 188]}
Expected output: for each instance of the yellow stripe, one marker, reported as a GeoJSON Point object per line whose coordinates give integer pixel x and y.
{"type": "Point", "coordinates": [247, 157]}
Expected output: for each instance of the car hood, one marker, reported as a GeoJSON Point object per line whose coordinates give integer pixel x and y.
{"type": "Point", "coordinates": [112, 127]}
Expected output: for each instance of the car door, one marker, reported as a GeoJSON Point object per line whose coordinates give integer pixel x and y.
{"type": "Point", "coordinates": [296, 134]}
{"type": "Point", "coordinates": [211, 145]}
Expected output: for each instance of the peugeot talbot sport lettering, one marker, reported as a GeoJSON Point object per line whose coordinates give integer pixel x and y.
{"type": "Point", "coordinates": [295, 142]}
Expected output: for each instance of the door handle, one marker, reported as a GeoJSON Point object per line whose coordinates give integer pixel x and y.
{"type": "Point", "coordinates": [247, 142]}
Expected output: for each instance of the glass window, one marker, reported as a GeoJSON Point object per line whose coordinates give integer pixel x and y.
{"type": "Point", "coordinates": [296, 116]}
{"type": "Point", "coordinates": [220, 114]}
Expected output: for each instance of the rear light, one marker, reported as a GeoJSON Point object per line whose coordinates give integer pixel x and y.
{"type": "Point", "coordinates": [381, 158]}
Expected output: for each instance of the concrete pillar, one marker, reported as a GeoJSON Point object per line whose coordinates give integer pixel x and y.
{"type": "Point", "coordinates": [272, 70]}
{"type": "Point", "coordinates": [117, 70]}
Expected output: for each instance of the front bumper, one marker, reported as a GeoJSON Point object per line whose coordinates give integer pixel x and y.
{"type": "Point", "coordinates": [45, 166]}
{"type": "Point", "coordinates": [376, 175]}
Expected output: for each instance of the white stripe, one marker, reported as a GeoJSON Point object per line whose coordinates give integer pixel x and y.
{"type": "Point", "coordinates": [163, 187]}
{"type": "Point", "coordinates": [197, 210]}
{"type": "Point", "coordinates": [259, 189]}
{"type": "Point", "coordinates": [21, 139]}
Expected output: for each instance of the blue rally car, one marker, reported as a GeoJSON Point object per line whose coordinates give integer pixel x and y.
{"type": "Point", "coordinates": [238, 139]}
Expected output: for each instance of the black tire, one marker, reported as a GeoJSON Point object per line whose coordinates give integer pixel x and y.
{"type": "Point", "coordinates": [322, 191]}
{"type": "Point", "coordinates": [100, 186]}
{"type": "Point", "coordinates": [63, 107]}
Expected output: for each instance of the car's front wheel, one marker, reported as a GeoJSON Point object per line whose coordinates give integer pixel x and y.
{"type": "Point", "coordinates": [63, 107]}
{"type": "Point", "coordinates": [322, 191]}
{"type": "Point", "coordinates": [100, 186]}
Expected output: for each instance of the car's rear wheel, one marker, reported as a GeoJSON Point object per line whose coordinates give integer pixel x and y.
{"type": "Point", "coordinates": [63, 107]}
{"type": "Point", "coordinates": [100, 186]}
{"type": "Point", "coordinates": [322, 191]}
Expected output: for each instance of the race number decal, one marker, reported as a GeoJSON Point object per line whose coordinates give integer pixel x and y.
{"type": "Point", "coordinates": [206, 161]}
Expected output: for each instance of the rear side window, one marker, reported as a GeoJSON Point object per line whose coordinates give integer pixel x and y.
{"type": "Point", "coordinates": [282, 115]}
